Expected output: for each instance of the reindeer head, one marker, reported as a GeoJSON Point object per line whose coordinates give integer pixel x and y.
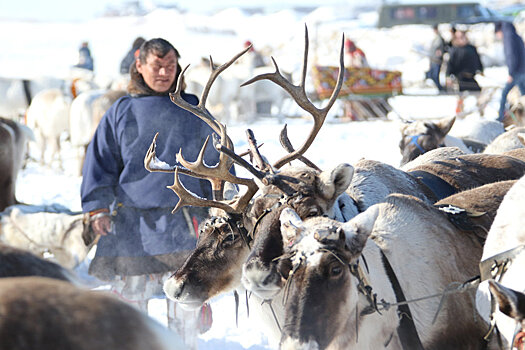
{"type": "Point", "coordinates": [420, 137]}
{"type": "Point", "coordinates": [321, 293]}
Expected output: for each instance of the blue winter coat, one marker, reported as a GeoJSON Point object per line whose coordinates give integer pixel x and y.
{"type": "Point", "coordinates": [114, 177]}
{"type": "Point", "coordinates": [514, 49]}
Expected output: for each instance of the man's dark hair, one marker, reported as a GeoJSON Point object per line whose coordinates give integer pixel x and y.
{"type": "Point", "coordinates": [160, 48]}
{"type": "Point", "coordinates": [435, 26]}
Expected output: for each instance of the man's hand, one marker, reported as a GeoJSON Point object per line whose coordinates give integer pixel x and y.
{"type": "Point", "coordinates": [101, 225]}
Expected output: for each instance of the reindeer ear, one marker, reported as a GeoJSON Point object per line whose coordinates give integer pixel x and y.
{"type": "Point", "coordinates": [359, 229]}
{"type": "Point", "coordinates": [336, 181]}
{"type": "Point", "coordinates": [521, 137]}
{"type": "Point", "coordinates": [446, 124]}
{"type": "Point", "coordinates": [291, 226]}
{"type": "Point", "coordinates": [510, 302]}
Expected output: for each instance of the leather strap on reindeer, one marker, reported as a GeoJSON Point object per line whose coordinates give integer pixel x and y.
{"type": "Point", "coordinates": [406, 330]}
{"type": "Point", "coordinates": [439, 187]}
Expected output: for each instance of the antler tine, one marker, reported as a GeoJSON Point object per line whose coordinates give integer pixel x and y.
{"type": "Point", "coordinates": [254, 151]}
{"type": "Point", "coordinates": [153, 164]}
{"type": "Point", "coordinates": [298, 93]}
{"type": "Point", "coordinates": [287, 145]}
{"type": "Point", "coordinates": [187, 198]}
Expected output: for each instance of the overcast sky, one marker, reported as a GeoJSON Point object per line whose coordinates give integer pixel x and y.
{"type": "Point", "coordinates": [74, 10]}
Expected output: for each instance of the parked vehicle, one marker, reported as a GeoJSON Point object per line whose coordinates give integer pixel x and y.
{"type": "Point", "coordinates": [428, 12]}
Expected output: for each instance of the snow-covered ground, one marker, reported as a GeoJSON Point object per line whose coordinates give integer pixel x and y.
{"type": "Point", "coordinates": [33, 49]}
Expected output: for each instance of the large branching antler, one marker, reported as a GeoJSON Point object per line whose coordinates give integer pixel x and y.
{"type": "Point", "coordinates": [298, 93]}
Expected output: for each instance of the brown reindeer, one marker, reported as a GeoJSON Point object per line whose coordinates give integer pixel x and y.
{"type": "Point", "coordinates": [48, 314]}
{"type": "Point", "coordinates": [342, 275]}
{"type": "Point", "coordinates": [13, 140]}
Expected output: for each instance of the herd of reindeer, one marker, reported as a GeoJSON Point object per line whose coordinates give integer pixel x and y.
{"type": "Point", "coordinates": [366, 256]}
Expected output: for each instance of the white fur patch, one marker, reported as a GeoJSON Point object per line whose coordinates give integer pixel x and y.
{"type": "Point", "coordinates": [295, 344]}
{"type": "Point", "coordinates": [307, 251]}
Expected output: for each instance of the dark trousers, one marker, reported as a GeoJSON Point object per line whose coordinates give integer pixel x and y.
{"type": "Point", "coordinates": [519, 80]}
{"type": "Point", "coordinates": [433, 74]}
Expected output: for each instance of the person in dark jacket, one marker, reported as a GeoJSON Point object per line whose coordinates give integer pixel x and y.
{"type": "Point", "coordinates": [514, 50]}
{"type": "Point", "coordinates": [437, 49]}
{"type": "Point", "coordinates": [85, 60]}
{"type": "Point", "coordinates": [464, 63]}
{"type": "Point", "coordinates": [130, 208]}
{"type": "Point", "coordinates": [129, 59]}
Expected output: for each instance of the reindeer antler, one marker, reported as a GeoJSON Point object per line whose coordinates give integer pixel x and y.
{"type": "Point", "coordinates": [298, 93]}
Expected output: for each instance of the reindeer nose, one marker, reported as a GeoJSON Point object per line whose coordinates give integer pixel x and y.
{"type": "Point", "coordinates": [173, 288]}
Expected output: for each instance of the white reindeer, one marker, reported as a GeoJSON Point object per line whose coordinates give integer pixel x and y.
{"type": "Point", "coordinates": [62, 235]}
{"type": "Point", "coordinates": [504, 259]}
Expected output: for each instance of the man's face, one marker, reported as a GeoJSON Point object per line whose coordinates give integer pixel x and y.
{"type": "Point", "coordinates": [499, 35]}
{"type": "Point", "coordinates": [158, 73]}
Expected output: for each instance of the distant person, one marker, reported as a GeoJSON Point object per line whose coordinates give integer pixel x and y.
{"type": "Point", "coordinates": [354, 56]}
{"type": "Point", "coordinates": [464, 63]}
{"type": "Point", "coordinates": [448, 44]}
{"type": "Point", "coordinates": [437, 49]}
{"type": "Point", "coordinates": [514, 50]}
{"type": "Point", "coordinates": [85, 60]}
{"type": "Point", "coordinates": [255, 56]}
{"type": "Point", "coordinates": [132, 54]}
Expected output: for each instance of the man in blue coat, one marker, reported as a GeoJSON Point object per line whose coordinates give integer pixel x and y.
{"type": "Point", "coordinates": [514, 58]}
{"type": "Point", "coordinates": [129, 207]}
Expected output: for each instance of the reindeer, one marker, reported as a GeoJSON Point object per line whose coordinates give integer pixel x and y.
{"type": "Point", "coordinates": [15, 262]}
{"type": "Point", "coordinates": [511, 303]}
{"type": "Point", "coordinates": [13, 145]}
{"type": "Point", "coordinates": [345, 278]}
{"type": "Point", "coordinates": [66, 236]}
{"type": "Point", "coordinates": [48, 314]}
{"type": "Point", "coordinates": [509, 140]}
{"type": "Point", "coordinates": [84, 116]}
{"type": "Point", "coordinates": [503, 260]}
{"type": "Point", "coordinates": [420, 137]}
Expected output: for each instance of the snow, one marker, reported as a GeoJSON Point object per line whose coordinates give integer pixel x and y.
{"type": "Point", "coordinates": [35, 49]}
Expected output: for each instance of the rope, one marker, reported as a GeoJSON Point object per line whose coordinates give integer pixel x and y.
{"type": "Point", "coordinates": [461, 287]}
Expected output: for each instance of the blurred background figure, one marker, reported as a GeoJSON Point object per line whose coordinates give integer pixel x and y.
{"type": "Point", "coordinates": [85, 60]}
{"type": "Point", "coordinates": [255, 56]}
{"type": "Point", "coordinates": [437, 49]}
{"type": "Point", "coordinates": [132, 54]}
{"type": "Point", "coordinates": [354, 56]}
{"type": "Point", "coordinates": [514, 50]}
{"type": "Point", "coordinates": [464, 63]}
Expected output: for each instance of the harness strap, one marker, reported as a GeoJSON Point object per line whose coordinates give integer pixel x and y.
{"type": "Point", "coordinates": [406, 330]}
{"type": "Point", "coordinates": [414, 141]}
{"type": "Point", "coordinates": [439, 187]}
{"type": "Point", "coordinates": [496, 265]}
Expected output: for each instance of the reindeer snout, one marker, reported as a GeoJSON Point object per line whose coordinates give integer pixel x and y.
{"type": "Point", "coordinates": [261, 279]}
{"type": "Point", "coordinates": [173, 288]}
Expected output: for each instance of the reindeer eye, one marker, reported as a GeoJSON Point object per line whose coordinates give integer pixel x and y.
{"type": "Point", "coordinates": [313, 212]}
{"type": "Point", "coordinates": [336, 270]}
{"type": "Point", "coordinates": [229, 240]}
